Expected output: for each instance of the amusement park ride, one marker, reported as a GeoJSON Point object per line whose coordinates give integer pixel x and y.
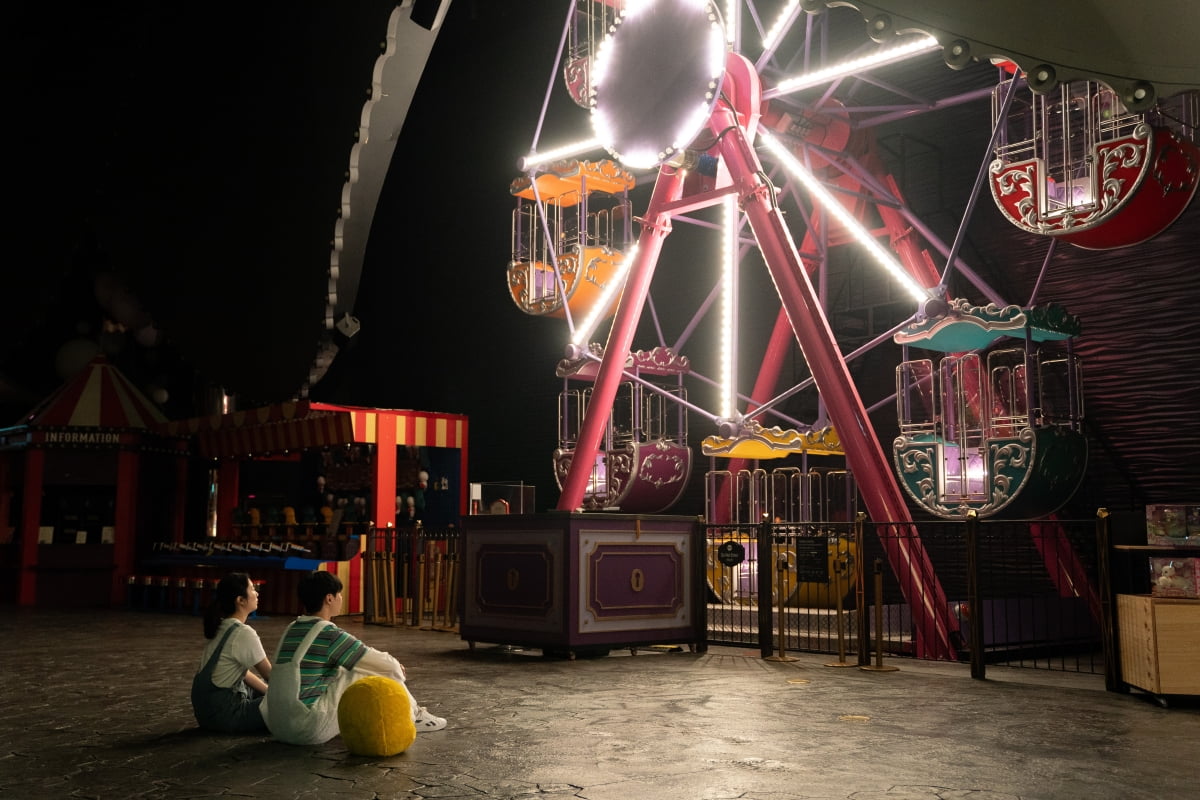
{"type": "Point", "coordinates": [733, 110]}
{"type": "Point", "coordinates": [994, 426]}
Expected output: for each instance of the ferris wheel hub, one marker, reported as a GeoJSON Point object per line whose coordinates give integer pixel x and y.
{"type": "Point", "coordinates": [656, 78]}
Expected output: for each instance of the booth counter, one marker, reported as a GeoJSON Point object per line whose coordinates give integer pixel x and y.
{"type": "Point", "coordinates": [572, 583]}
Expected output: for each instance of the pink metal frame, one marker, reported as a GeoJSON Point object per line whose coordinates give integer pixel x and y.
{"type": "Point", "coordinates": [804, 311]}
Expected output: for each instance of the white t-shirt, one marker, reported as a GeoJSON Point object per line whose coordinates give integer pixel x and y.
{"type": "Point", "coordinates": [243, 650]}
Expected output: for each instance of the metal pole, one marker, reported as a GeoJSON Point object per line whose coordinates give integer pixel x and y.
{"type": "Point", "coordinates": [878, 666]}
{"type": "Point", "coordinates": [974, 597]}
{"type": "Point", "coordinates": [451, 615]}
{"type": "Point", "coordinates": [405, 563]}
{"type": "Point", "coordinates": [389, 575]}
{"type": "Point", "coordinates": [783, 584]}
{"type": "Point", "coordinates": [842, 562]}
{"type": "Point", "coordinates": [368, 567]}
{"type": "Point", "coordinates": [765, 582]}
{"type": "Point", "coordinates": [1109, 640]}
{"type": "Point", "coordinates": [428, 579]}
{"type": "Point", "coordinates": [420, 588]}
{"type": "Point", "coordinates": [440, 585]}
{"type": "Point", "coordinates": [860, 598]}
{"type": "Point", "coordinates": [980, 177]}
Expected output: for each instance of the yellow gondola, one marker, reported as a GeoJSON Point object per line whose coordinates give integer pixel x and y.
{"type": "Point", "coordinates": [732, 585]}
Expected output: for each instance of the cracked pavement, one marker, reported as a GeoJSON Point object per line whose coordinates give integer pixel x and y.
{"type": "Point", "coordinates": [94, 704]}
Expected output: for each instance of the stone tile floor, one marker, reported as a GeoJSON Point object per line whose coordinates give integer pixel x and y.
{"type": "Point", "coordinates": [94, 704]}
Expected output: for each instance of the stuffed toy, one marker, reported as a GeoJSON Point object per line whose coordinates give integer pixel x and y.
{"type": "Point", "coordinates": [419, 493]}
{"type": "Point", "coordinates": [375, 717]}
{"type": "Point", "coordinates": [1169, 579]}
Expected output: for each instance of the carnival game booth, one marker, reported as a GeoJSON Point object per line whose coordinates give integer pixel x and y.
{"type": "Point", "coordinates": [299, 485]}
{"type": "Point", "coordinates": [86, 477]}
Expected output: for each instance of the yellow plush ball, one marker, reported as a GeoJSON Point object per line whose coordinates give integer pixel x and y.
{"type": "Point", "coordinates": [375, 717]}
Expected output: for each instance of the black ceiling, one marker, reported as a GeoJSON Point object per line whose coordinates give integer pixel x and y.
{"type": "Point", "coordinates": [197, 157]}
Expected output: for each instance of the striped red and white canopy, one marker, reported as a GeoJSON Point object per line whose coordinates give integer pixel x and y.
{"type": "Point", "coordinates": [100, 396]}
{"type": "Point", "coordinates": [301, 424]}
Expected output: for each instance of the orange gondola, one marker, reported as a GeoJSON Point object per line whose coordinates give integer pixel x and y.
{"type": "Point", "coordinates": [575, 246]}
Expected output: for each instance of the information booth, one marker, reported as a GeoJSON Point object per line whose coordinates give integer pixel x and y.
{"type": "Point", "coordinates": [86, 477]}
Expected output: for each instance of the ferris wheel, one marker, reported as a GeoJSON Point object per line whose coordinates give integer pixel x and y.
{"type": "Point", "coordinates": [730, 115]}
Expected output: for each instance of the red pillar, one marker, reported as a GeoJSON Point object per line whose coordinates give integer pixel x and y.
{"type": "Point", "coordinates": [125, 533]}
{"type": "Point", "coordinates": [5, 496]}
{"type": "Point", "coordinates": [31, 520]}
{"type": "Point", "coordinates": [656, 225]}
{"type": "Point", "coordinates": [463, 486]}
{"type": "Point", "coordinates": [384, 512]}
{"type": "Point", "coordinates": [227, 496]}
{"type": "Point", "coordinates": [872, 470]}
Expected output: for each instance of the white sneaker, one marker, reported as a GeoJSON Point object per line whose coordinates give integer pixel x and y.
{"type": "Point", "coordinates": [428, 722]}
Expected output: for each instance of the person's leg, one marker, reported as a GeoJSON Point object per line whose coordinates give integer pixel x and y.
{"type": "Point", "coordinates": [425, 721]}
{"type": "Point", "coordinates": [422, 719]}
{"type": "Point", "coordinates": [248, 718]}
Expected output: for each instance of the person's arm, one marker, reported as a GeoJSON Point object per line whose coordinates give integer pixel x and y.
{"type": "Point", "coordinates": [352, 653]}
{"type": "Point", "coordinates": [256, 683]}
{"type": "Point", "coordinates": [377, 662]}
{"type": "Point", "coordinates": [254, 650]}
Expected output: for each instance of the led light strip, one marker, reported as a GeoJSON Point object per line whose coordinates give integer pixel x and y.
{"type": "Point", "coordinates": [526, 163]}
{"type": "Point", "coordinates": [889, 55]}
{"type": "Point", "coordinates": [848, 221]}
{"type": "Point", "coordinates": [728, 258]}
{"type": "Point", "coordinates": [772, 37]}
{"type": "Point", "coordinates": [584, 332]}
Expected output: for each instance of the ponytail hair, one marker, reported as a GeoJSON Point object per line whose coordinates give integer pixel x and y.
{"type": "Point", "coordinates": [224, 603]}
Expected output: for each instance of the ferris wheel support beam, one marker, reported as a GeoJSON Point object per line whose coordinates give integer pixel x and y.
{"type": "Point", "coordinates": [656, 226]}
{"type": "Point", "coordinates": [864, 456]}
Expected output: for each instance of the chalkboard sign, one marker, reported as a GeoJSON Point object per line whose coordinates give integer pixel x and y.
{"type": "Point", "coordinates": [812, 559]}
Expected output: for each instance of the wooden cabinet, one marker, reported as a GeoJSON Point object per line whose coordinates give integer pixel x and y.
{"type": "Point", "coordinates": [1159, 641]}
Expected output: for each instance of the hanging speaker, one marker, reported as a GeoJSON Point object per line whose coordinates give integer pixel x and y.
{"type": "Point", "coordinates": [957, 54]}
{"type": "Point", "coordinates": [1042, 78]}
{"type": "Point", "coordinates": [881, 28]}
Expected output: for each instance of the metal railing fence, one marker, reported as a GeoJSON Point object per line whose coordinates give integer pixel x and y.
{"type": "Point", "coordinates": [1029, 594]}
{"type": "Point", "coordinates": [410, 577]}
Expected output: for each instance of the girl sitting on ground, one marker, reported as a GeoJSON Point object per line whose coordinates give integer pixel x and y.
{"type": "Point", "coordinates": [231, 680]}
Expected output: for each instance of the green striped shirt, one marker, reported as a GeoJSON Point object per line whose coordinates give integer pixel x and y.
{"type": "Point", "coordinates": [332, 650]}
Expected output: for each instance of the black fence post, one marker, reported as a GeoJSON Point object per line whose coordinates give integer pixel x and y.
{"type": "Point", "coordinates": [766, 571]}
{"type": "Point", "coordinates": [860, 594]}
{"type": "Point", "coordinates": [1108, 628]}
{"type": "Point", "coordinates": [368, 574]}
{"type": "Point", "coordinates": [975, 597]}
{"type": "Point", "coordinates": [879, 666]}
{"type": "Point", "coordinates": [699, 581]}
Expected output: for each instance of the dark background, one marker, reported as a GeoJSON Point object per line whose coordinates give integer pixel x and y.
{"type": "Point", "coordinates": [179, 172]}
{"type": "Point", "coordinates": [175, 181]}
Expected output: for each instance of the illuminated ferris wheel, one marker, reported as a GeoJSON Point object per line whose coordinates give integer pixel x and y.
{"type": "Point", "coordinates": [655, 77]}
{"type": "Point", "coordinates": [729, 115]}
{"type": "Point", "coordinates": [1097, 164]}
